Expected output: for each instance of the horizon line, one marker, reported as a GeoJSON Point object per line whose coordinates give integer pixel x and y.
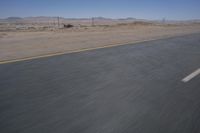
{"type": "Point", "coordinates": [114, 18]}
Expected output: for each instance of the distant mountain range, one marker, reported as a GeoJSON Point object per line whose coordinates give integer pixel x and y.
{"type": "Point", "coordinates": [44, 19]}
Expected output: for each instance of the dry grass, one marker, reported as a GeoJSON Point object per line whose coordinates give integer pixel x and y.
{"type": "Point", "coordinates": [2, 35]}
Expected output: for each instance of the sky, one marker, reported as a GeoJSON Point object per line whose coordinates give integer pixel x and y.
{"type": "Point", "coordinates": [141, 9]}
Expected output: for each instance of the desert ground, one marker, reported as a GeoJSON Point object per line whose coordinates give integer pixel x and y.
{"type": "Point", "coordinates": [33, 42]}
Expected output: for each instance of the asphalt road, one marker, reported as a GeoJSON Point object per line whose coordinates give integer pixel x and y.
{"type": "Point", "coordinates": [124, 89]}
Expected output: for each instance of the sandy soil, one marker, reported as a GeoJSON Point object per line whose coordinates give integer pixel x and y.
{"type": "Point", "coordinates": [16, 45]}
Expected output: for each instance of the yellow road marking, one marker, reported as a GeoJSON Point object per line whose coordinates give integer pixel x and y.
{"type": "Point", "coordinates": [74, 51]}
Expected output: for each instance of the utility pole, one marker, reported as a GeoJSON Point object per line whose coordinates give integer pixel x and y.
{"type": "Point", "coordinates": [92, 21]}
{"type": "Point", "coordinates": [58, 22]}
{"type": "Point", "coordinates": [163, 20]}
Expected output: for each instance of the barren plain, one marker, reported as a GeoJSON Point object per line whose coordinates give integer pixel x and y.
{"type": "Point", "coordinates": [27, 43]}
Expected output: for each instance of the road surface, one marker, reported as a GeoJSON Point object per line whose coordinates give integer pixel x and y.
{"type": "Point", "coordinates": [149, 87]}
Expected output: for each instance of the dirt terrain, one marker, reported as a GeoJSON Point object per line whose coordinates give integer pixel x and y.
{"type": "Point", "coordinates": [31, 43]}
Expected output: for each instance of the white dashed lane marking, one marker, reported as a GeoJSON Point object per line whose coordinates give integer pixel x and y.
{"type": "Point", "coordinates": [191, 76]}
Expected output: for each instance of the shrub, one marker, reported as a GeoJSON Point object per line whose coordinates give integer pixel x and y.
{"type": "Point", "coordinates": [68, 26]}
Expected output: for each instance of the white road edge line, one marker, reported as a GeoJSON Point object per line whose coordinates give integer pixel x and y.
{"type": "Point", "coordinates": [191, 76]}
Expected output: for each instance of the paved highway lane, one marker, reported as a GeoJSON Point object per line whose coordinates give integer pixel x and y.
{"type": "Point", "coordinates": [125, 89]}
